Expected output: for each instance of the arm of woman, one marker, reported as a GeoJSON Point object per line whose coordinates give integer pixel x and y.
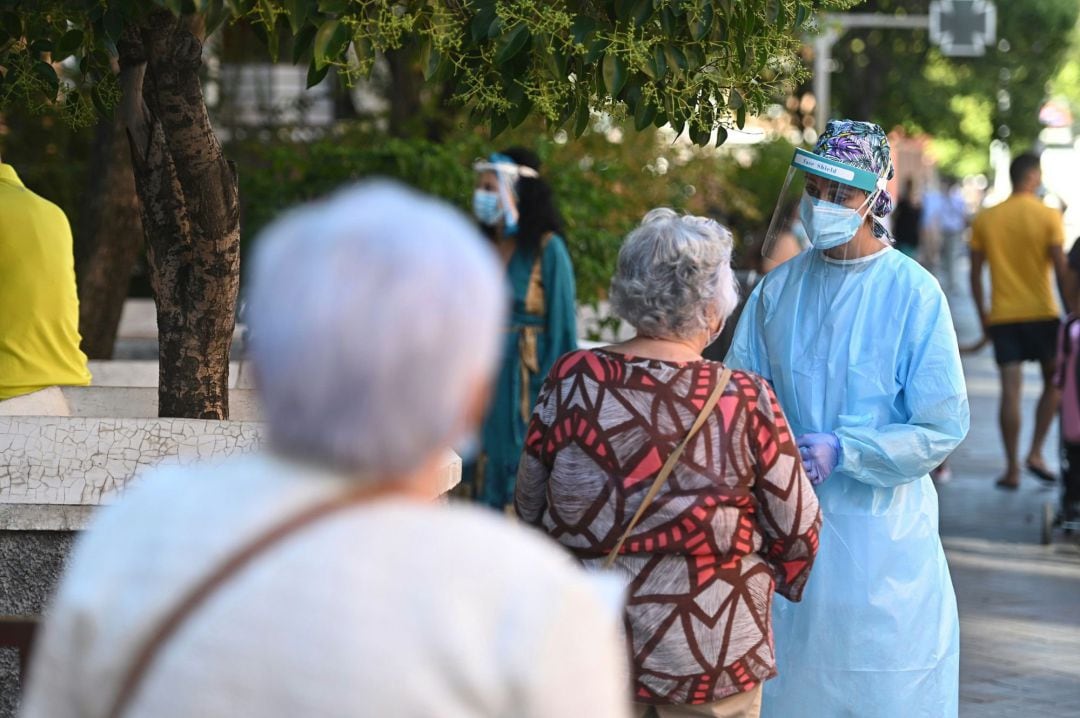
{"type": "Point", "coordinates": [534, 469]}
{"type": "Point", "coordinates": [934, 396]}
{"type": "Point", "coordinates": [557, 274]}
{"type": "Point", "coordinates": [788, 512]}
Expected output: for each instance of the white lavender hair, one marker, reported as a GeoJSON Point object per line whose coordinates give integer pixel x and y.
{"type": "Point", "coordinates": [673, 277]}
{"type": "Point", "coordinates": [374, 316]}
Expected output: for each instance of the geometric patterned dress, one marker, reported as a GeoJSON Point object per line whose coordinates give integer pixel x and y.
{"type": "Point", "coordinates": [736, 519]}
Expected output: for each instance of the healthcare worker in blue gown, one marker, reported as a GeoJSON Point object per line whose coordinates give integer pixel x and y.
{"type": "Point", "coordinates": [858, 343]}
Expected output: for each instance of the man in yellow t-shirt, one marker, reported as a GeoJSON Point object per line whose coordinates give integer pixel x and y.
{"type": "Point", "coordinates": [39, 308]}
{"type": "Point", "coordinates": [1021, 240]}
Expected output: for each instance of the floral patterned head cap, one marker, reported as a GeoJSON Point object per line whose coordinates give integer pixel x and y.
{"type": "Point", "coordinates": [863, 145]}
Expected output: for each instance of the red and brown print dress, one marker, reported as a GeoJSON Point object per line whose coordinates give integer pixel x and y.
{"type": "Point", "coordinates": [736, 519]}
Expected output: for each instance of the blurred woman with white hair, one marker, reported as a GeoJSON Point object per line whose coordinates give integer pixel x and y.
{"type": "Point", "coordinates": [317, 578]}
{"type": "Point", "coordinates": [679, 474]}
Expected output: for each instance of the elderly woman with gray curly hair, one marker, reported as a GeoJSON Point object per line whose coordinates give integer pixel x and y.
{"type": "Point", "coordinates": [679, 474]}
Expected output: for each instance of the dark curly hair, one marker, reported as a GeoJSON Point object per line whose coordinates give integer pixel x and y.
{"type": "Point", "coordinates": [536, 204]}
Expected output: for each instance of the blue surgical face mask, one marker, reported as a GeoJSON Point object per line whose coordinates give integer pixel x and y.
{"type": "Point", "coordinates": [486, 207]}
{"type": "Point", "coordinates": [827, 224]}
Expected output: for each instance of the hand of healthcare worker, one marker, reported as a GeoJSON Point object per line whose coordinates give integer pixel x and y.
{"type": "Point", "coordinates": [820, 454]}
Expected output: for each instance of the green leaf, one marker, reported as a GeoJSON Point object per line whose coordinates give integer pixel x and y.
{"type": "Point", "coordinates": [556, 61]}
{"type": "Point", "coordinates": [695, 57]}
{"type": "Point", "coordinates": [39, 46]}
{"type": "Point", "coordinates": [430, 61]}
{"type": "Point", "coordinates": [660, 61]}
{"type": "Point", "coordinates": [519, 112]}
{"type": "Point", "coordinates": [480, 23]}
{"type": "Point", "coordinates": [614, 73]}
{"type": "Point", "coordinates": [596, 51]}
{"type": "Point", "coordinates": [511, 43]}
{"type": "Point", "coordinates": [316, 74]}
{"type": "Point", "coordinates": [641, 12]}
{"type": "Point", "coordinates": [334, 7]}
{"type": "Point", "coordinates": [644, 114]}
{"type": "Point", "coordinates": [45, 72]}
{"type": "Point", "coordinates": [676, 59]}
{"type": "Point", "coordinates": [735, 99]}
{"type": "Point", "coordinates": [298, 11]}
{"type": "Point", "coordinates": [581, 119]}
{"type": "Point", "coordinates": [582, 28]}
{"type": "Point", "coordinates": [498, 124]}
{"type": "Point", "coordinates": [700, 135]}
{"type": "Point", "coordinates": [740, 117]}
{"type": "Point", "coordinates": [801, 15]}
{"type": "Point", "coordinates": [330, 43]}
{"type": "Point", "coordinates": [66, 46]}
{"type": "Point", "coordinates": [702, 23]}
{"type": "Point", "coordinates": [721, 135]}
{"type": "Point", "coordinates": [773, 11]}
{"type": "Point", "coordinates": [668, 22]}
{"type": "Point", "coordinates": [302, 43]}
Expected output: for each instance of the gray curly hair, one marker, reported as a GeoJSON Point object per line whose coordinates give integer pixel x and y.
{"type": "Point", "coordinates": [673, 277]}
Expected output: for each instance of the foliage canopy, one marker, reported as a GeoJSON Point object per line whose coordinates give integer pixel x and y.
{"type": "Point", "coordinates": [698, 65]}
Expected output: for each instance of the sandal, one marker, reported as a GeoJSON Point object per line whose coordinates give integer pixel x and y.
{"type": "Point", "coordinates": [1006, 486]}
{"type": "Point", "coordinates": [1041, 474]}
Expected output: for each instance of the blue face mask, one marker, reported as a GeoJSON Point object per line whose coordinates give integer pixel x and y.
{"type": "Point", "coordinates": [829, 225]}
{"type": "Point", "coordinates": [486, 207]}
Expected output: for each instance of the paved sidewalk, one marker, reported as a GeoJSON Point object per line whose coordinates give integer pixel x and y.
{"type": "Point", "coordinates": [1019, 601]}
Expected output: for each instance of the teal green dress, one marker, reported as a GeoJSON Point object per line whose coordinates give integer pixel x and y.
{"type": "Point", "coordinates": [542, 327]}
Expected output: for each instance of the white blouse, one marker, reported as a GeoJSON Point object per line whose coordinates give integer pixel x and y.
{"type": "Point", "coordinates": [393, 608]}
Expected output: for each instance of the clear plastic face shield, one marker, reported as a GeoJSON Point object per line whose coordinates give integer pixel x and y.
{"type": "Point", "coordinates": [824, 204]}
{"type": "Point", "coordinates": [495, 197]}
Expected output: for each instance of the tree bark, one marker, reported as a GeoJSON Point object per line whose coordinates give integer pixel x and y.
{"type": "Point", "coordinates": [190, 210]}
{"type": "Point", "coordinates": [110, 238]}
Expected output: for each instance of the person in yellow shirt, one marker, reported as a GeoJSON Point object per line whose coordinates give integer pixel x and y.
{"type": "Point", "coordinates": [1021, 241]}
{"type": "Point", "coordinates": [39, 307]}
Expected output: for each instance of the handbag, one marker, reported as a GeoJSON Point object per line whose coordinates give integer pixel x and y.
{"type": "Point", "coordinates": [669, 465]}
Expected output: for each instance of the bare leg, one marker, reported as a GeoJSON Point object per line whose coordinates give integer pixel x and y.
{"type": "Point", "coordinates": [1009, 417]}
{"type": "Point", "coordinates": [1044, 415]}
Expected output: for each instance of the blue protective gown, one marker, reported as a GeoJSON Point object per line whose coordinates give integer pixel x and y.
{"type": "Point", "coordinates": [865, 349]}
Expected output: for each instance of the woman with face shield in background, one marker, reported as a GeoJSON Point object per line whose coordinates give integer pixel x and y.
{"type": "Point", "coordinates": [515, 209]}
{"type": "Point", "coordinates": [858, 343]}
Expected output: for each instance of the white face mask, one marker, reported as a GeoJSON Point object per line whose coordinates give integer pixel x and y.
{"type": "Point", "coordinates": [830, 225]}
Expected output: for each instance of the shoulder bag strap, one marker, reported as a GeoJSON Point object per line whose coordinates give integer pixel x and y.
{"type": "Point", "coordinates": [669, 465]}
{"type": "Point", "coordinates": [227, 569]}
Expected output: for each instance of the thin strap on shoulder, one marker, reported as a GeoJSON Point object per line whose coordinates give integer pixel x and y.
{"type": "Point", "coordinates": [669, 465]}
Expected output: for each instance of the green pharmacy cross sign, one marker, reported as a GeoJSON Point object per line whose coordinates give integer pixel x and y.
{"type": "Point", "coordinates": [962, 28]}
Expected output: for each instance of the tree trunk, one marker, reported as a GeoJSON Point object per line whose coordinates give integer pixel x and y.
{"type": "Point", "coordinates": [404, 93]}
{"type": "Point", "coordinates": [190, 210]}
{"type": "Point", "coordinates": [110, 237]}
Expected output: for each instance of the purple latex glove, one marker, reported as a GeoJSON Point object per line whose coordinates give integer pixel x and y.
{"type": "Point", "coordinates": [820, 454]}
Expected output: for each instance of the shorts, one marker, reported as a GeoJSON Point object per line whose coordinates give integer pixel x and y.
{"type": "Point", "coordinates": [1025, 341]}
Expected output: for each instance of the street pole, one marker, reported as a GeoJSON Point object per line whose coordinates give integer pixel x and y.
{"type": "Point", "coordinates": [834, 25]}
